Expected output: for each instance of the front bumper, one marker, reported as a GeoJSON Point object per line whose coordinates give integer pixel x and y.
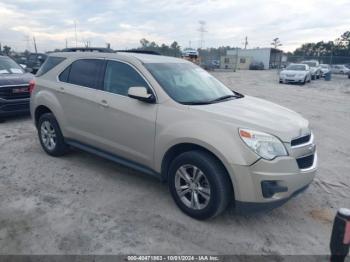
{"type": "Point", "coordinates": [283, 172]}
{"type": "Point", "coordinates": [286, 79]}
{"type": "Point", "coordinates": [14, 106]}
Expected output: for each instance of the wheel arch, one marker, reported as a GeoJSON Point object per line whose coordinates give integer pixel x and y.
{"type": "Point", "coordinates": [180, 148]}
{"type": "Point", "coordinates": [39, 111]}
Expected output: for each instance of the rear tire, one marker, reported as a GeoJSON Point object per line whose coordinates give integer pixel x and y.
{"type": "Point", "coordinates": [50, 136]}
{"type": "Point", "coordinates": [199, 184]}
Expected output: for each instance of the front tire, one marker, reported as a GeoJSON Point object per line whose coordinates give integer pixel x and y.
{"type": "Point", "coordinates": [304, 82]}
{"type": "Point", "coordinates": [50, 136]}
{"type": "Point", "coordinates": [199, 184]}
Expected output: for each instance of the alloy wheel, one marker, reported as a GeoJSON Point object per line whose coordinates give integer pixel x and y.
{"type": "Point", "coordinates": [48, 135]}
{"type": "Point", "coordinates": [192, 187]}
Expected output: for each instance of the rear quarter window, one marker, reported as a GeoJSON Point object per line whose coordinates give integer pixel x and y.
{"type": "Point", "coordinates": [49, 63]}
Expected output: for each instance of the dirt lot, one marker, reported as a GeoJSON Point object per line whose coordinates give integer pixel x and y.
{"type": "Point", "coordinates": [82, 204]}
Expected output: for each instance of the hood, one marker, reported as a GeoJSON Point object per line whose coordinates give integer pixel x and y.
{"type": "Point", "coordinates": [293, 72]}
{"type": "Point", "coordinates": [258, 114]}
{"type": "Point", "coordinates": [15, 79]}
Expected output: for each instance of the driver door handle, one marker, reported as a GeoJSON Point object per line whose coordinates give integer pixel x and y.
{"type": "Point", "coordinates": [61, 89]}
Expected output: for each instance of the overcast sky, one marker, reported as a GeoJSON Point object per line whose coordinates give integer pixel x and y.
{"type": "Point", "coordinates": [123, 23]}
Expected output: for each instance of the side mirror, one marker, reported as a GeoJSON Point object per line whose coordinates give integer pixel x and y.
{"type": "Point", "coordinates": [140, 93]}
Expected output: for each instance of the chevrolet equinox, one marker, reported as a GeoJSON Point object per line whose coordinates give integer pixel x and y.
{"type": "Point", "coordinates": [169, 118]}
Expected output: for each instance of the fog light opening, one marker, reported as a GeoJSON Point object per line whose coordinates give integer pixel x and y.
{"type": "Point", "coordinates": [269, 188]}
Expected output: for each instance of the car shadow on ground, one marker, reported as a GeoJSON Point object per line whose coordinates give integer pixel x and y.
{"type": "Point", "coordinates": [12, 119]}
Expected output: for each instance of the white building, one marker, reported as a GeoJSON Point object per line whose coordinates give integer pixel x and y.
{"type": "Point", "coordinates": [270, 57]}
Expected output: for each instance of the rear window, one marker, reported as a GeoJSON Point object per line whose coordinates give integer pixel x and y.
{"type": "Point", "coordinates": [50, 63]}
{"type": "Point", "coordinates": [85, 72]}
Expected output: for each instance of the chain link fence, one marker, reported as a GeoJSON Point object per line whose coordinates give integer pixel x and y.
{"type": "Point", "coordinates": [331, 60]}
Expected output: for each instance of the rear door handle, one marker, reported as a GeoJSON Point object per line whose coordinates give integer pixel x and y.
{"type": "Point", "coordinates": [104, 103]}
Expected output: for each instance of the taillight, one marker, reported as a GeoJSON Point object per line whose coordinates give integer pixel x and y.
{"type": "Point", "coordinates": [31, 86]}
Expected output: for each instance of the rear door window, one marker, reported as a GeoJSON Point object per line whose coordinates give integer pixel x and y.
{"type": "Point", "coordinates": [63, 77]}
{"type": "Point", "coordinates": [85, 72]}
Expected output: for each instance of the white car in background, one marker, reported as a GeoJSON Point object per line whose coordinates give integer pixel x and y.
{"type": "Point", "coordinates": [295, 73]}
{"type": "Point", "coordinates": [315, 68]}
{"type": "Point", "coordinates": [325, 68]}
{"type": "Point", "coordinates": [340, 69]}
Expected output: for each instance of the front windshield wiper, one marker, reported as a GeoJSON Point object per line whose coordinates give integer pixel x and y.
{"type": "Point", "coordinates": [196, 103]}
{"type": "Point", "coordinates": [222, 98]}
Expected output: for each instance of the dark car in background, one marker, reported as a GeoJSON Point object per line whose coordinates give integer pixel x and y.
{"type": "Point", "coordinates": [35, 61]}
{"type": "Point", "coordinates": [15, 84]}
{"type": "Point", "coordinates": [256, 66]}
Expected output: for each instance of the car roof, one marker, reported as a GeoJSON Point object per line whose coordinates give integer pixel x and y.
{"type": "Point", "coordinates": [298, 64]}
{"type": "Point", "coordinates": [144, 58]}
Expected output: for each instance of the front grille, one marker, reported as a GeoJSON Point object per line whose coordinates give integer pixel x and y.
{"type": "Point", "coordinates": [9, 92]}
{"type": "Point", "coordinates": [300, 140]}
{"type": "Point", "coordinates": [306, 161]}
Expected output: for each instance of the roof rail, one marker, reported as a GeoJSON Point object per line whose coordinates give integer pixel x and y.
{"type": "Point", "coordinates": [88, 49]}
{"type": "Point", "coordinates": [139, 51]}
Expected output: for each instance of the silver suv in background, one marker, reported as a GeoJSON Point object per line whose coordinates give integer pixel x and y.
{"type": "Point", "coordinates": [315, 68]}
{"type": "Point", "coordinates": [171, 119]}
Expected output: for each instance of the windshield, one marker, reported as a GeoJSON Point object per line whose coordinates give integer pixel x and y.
{"type": "Point", "coordinates": [311, 64]}
{"type": "Point", "coordinates": [189, 84]}
{"type": "Point", "coordinates": [8, 66]}
{"type": "Point", "coordinates": [296, 67]}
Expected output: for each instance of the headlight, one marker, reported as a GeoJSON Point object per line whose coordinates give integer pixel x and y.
{"type": "Point", "coordinates": [265, 145]}
{"type": "Point", "coordinates": [300, 75]}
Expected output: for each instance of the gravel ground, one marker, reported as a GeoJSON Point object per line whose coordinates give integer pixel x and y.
{"type": "Point", "coordinates": [82, 204]}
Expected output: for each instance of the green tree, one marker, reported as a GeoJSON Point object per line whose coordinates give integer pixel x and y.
{"type": "Point", "coordinates": [176, 49]}
{"type": "Point", "coordinates": [276, 43]}
{"type": "Point", "coordinates": [7, 50]}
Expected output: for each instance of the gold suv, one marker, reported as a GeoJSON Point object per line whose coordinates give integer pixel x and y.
{"type": "Point", "coordinates": [169, 118]}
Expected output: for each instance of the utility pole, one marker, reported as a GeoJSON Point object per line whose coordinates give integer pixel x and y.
{"type": "Point", "coordinates": [236, 64]}
{"type": "Point", "coordinates": [26, 39]}
{"type": "Point", "coordinates": [36, 50]}
{"type": "Point", "coordinates": [76, 37]}
{"type": "Point", "coordinates": [201, 31]}
{"type": "Point", "coordinates": [245, 42]}
{"type": "Point", "coordinates": [66, 43]}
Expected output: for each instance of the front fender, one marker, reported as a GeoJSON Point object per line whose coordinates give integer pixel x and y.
{"type": "Point", "coordinates": [223, 141]}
